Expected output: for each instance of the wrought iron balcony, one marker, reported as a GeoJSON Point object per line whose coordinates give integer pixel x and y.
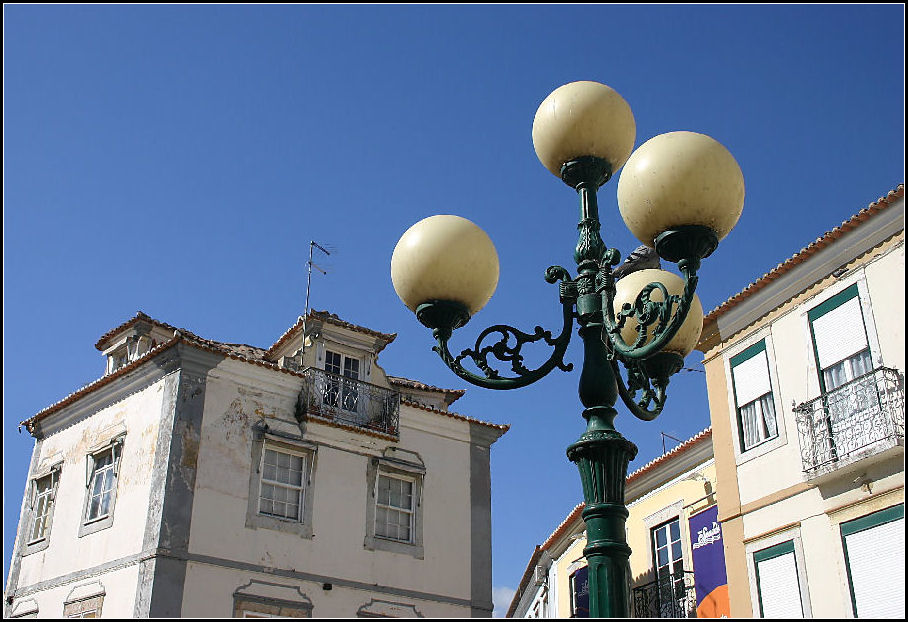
{"type": "Point", "coordinates": [860, 418]}
{"type": "Point", "coordinates": [671, 596]}
{"type": "Point", "coordinates": [348, 401]}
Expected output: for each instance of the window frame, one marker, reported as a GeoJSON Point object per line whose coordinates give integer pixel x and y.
{"type": "Point", "coordinates": [89, 525]}
{"type": "Point", "coordinates": [857, 525]}
{"type": "Point", "coordinates": [31, 544]}
{"type": "Point", "coordinates": [77, 608]}
{"type": "Point", "coordinates": [299, 490]}
{"type": "Point", "coordinates": [410, 511]}
{"type": "Point", "coordinates": [337, 380]}
{"type": "Point", "coordinates": [400, 469]}
{"type": "Point", "coordinates": [738, 359]}
{"type": "Point", "coordinates": [829, 305]}
{"type": "Point", "coordinates": [781, 438]}
{"type": "Point", "coordinates": [255, 519]}
{"type": "Point", "coordinates": [753, 551]}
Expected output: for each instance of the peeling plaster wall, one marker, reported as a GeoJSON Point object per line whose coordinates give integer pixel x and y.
{"type": "Point", "coordinates": [118, 588]}
{"type": "Point", "coordinates": [69, 558]}
{"type": "Point", "coordinates": [225, 553]}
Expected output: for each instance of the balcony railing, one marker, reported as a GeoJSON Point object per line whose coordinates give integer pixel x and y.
{"type": "Point", "coordinates": [349, 402]}
{"type": "Point", "coordinates": [668, 597]}
{"type": "Point", "coordinates": [859, 418]}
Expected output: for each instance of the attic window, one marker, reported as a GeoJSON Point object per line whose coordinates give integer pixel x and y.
{"type": "Point", "coordinates": [117, 359]}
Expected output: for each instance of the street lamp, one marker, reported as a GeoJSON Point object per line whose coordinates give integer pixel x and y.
{"type": "Point", "coordinates": [680, 193]}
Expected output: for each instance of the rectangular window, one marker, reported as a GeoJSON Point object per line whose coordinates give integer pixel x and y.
{"type": "Point", "coordinates": [103, 483]}
{"type": "Point", "coordinates": [668, 560]}
{"type": "Point", "coordinates": [88, 608]}
{"type": "Point", "coordinates": [394, 508]}
{"type": "Point", "coordinates": [778, 587]}
{"type": "Point", "coordinates": [42, 506]}
{"type": "Point", "coordinates": [874, 547]}
{"type": "Point", "coordinates": [342, 386]}
{"type": "Point", "coordinates": [282, 487]}
{"type": "Point", "coordinates": [840, 339]}
{"type": "Point", "coordinates": [753, 396]}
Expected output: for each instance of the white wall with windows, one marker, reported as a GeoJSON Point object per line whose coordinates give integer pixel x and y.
{"type": "Point", "coordinates": [98, 504]}
{"type": "Point", "coordinates": [798, 416]}
{"type": "Point", "coordinates": [190, 486]}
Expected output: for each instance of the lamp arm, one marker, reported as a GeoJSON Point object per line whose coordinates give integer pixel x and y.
{"type": "Point", "coordinates": [503, 351]}
{"type": "Point", "coordinates": [637, 381]}
{"type": "Point", "coordinates": [647, 312]}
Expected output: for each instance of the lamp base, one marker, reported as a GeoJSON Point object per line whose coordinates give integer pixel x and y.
{"type": "Point", "coordinates": [442, 316]}
{"type": "Point", "coordinates": [586, 170]}
{"type": "Point", "coordinates": [686, 242]}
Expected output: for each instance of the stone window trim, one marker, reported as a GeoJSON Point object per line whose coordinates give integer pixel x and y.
{"type": "Point", "coordinates": [89, 526]}
{"type": "Point", "coordinates": [412, 470]}
{"type": "Point", "coordinates": [78, 608]}
{"type": "Point", "coordinates": [27, 608]}
{"type": "Point", "coordinates": [269, 599]}
{"type": "Point", "coordinates": [85, 598]}
{"type": "Point", "coordinates": [388, 609]}
{"type": "Point", "coordinates": [792, 535]}
{"type": "Point", "coordinates": [40, 544]}
{"type": "Point", "coordinates": [270, 439]}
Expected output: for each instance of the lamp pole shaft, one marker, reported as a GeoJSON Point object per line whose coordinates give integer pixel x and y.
{"type": "Point", "coordinates": [601, 454]}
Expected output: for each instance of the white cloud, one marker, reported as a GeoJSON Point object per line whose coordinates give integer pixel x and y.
{"type": "Point", "coordinates": [501, 599]}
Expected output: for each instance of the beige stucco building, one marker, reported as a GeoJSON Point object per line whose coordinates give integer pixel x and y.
{"type": "Point", "coordinates": [204, 479]}
{"type": "Point", "coordinates": [662, 497]}
{"type": "Point", "coordinates": [805, 374]}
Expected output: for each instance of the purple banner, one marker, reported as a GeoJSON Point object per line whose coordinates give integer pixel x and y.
{"type": "Point", "coordinates": [710, 580]}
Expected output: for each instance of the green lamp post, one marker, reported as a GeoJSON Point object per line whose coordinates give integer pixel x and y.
{"type": "Point", "coordinates": [680, 193]}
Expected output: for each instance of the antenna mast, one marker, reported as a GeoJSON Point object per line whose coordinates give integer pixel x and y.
{"type": "Point", "coordinates": [309, 264]}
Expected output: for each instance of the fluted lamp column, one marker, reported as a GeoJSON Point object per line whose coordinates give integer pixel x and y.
{"type": "Point", "coordinates": [679, 193]}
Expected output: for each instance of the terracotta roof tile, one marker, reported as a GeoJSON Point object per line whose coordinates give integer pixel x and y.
{"type": "Point", "coordinates": [811, 249]}
{"type": "Point", "coordinates": [503, 427]}
{"type": "Point", "coordinates": [331, 318]}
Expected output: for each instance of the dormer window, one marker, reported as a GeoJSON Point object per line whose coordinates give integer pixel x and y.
{"type": "Point", "coordinates": [341, 393]}
{"type": "Point", "coordinates": [117, 359]}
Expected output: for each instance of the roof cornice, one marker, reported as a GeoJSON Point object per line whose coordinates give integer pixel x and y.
{"type": "Point", "coordinates": [816, 261]}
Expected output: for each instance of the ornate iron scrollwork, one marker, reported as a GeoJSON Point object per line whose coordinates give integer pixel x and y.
{"type": "Point", "coordinates": [508, 347]}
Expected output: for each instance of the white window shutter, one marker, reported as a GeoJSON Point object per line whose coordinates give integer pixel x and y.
{"type": "Point", "coordinates": [751, 379]}
{"type": "Point", "coordinates": [876, 560]}
{"type": "Point", "coordinates": [840, 333]}
{"type": "Point", "coordinates": [780, 594]}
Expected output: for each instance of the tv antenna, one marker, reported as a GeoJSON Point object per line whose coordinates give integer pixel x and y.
{"type": "Point", "coordinates": [309, 265]}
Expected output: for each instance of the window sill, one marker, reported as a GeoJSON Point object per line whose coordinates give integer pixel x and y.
{"type": "Point", "coordinates": [276, 523]}
{"type": "Point", "coordinates": [378, 543]}
{"type": "Point", "coordinates": [95, 525]}
{"type": "Point", "coordinates": [760, 449]}
{"type": "Point", "coordinates": [35, 546]}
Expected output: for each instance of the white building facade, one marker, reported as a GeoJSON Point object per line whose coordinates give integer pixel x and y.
{"type": "Point", "coordinates": [805, 372]}
{"type": "Point", "coordinates": [204, 479]}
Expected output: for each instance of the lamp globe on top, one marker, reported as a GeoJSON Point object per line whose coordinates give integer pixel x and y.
{"type": "Point", "coordinates": [582, 119]}
{"type": "Point", "coordinates": [445, 258]}
{"type": "Point", "coordinates": [680, 180]}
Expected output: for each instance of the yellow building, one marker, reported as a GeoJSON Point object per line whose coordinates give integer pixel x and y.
{"type": "Point", "coordinates": [664, 498]}
{"type": "Point", "coordinates": [805, 374]}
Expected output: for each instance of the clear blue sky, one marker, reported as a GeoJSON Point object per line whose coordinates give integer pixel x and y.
{"type": "Point", "coordinates": [178, 159]}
